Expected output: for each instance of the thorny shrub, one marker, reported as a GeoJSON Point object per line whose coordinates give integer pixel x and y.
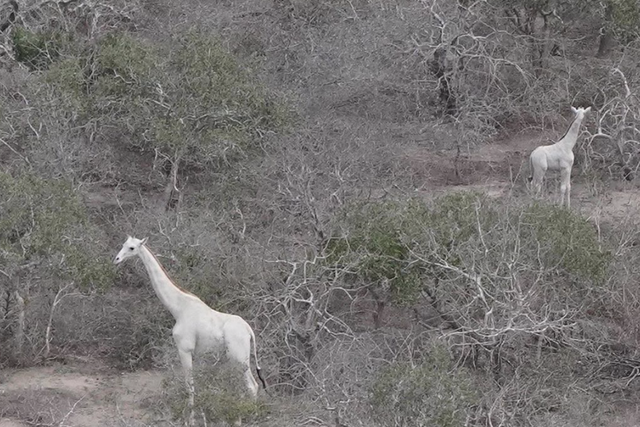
{"type": "Point", "coordinates": [430, 392]}
{"type": "Point", "coordinates": [401, 245]}
{"type": "Point", "coordinates": [189, 107]}
{"type": "Point", "coordinates": [459, 253]}
{"type": "Point", "coordinates": [568, 241]}
{"type": "Point", "coordinates": [47, 247]}
{"type": "Point", "coordinates": [36, 49]}
{"type": "Point", "coordinates": [369, 244]}
{"type": "Point", "coordinates": [194, 104]}
{"type": "Point", "coordinates": [43, 218]}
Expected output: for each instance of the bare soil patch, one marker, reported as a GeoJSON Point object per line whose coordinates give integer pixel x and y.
{"type": "Point", "coordinates": [503, 161]}
{"type": "Point", "coordinates": [83, 395]}
{"type": "Point", "coordinates": [501, 169]}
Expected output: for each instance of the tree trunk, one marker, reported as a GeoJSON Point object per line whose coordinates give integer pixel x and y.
{"type": "Point", "coordinates": [546, 43]}
{"type": "Point", "coordinates": [606, 37]}
{"type": "Point", "coordinates": [606, 43]}
{"type": "Point", "coordinates": [379, 311]}
{"type": "Point", "coordinates": [18, 335]}
{"type": "Point", "coordinates": [496, 360]}
{"type": "Point", "coordinates": [56, 300]}
{"type": "Point", "coordinates": [171, 193]}
{"type": "Point", "coordinates": [441, 70]}
{"type": "Point", "coordinates": [541, 39]}
{"type": "Point", "coordinates": [378, 314]}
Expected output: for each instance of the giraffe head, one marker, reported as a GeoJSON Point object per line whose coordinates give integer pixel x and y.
{"type": "Point", "coordinates": [130, 248]}
{"type": "Point", "coordinates": [580, 112]}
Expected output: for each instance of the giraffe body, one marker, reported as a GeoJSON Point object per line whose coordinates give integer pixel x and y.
{"type": "Point", "coordinates": [558, 157]}
{"type": "Point", "coordinates": [198, 329]}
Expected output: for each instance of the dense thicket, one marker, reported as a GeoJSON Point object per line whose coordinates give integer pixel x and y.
{"type": "Point", "coordinates": [283, 157]}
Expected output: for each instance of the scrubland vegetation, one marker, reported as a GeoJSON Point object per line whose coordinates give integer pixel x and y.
{"type": "Point", "coordinates": [273, 151]}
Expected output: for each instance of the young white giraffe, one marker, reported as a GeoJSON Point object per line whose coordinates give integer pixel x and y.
{"type": "Point", "coordinates": [558, 156]}
{"type": "Point", "coordinates": [198, 328]}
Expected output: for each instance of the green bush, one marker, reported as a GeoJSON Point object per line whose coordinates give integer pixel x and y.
{"type": "Point", "coordinates": [43, 219]}
{"type": "Point", "coordinates": [455, 217]}
{"type": "Point", "coordinates": [432, 393]}
{"type": "Point", "coordinates": [405, 246]}
{"type": "Point", "coordinates": [382, 239]}
{"type": "Point", "coordinates": [465, 225]}
{"type": "Point", "coordinates": [195, 103]}
{"type": "Point", "coordinates": [372, 239]}
{"type": "Point", "coordinates": [67, 76]}
{"type": "Point", "coordinates": [566, 240]}
{"type": "Point", "coordinates": [37, 50]}
{"type": "Point", "coordinates": [215, 78]}
{"type": "Point", "coordinates": [124, 69]}
{"type": "Point", "coordinates": [456, 221]}
{"type": "Point", "coordinates": [36, 213]}
{"type": "Point", "coordinates": [624, 19]}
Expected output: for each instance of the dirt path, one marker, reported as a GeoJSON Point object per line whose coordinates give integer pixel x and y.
{"type": "Point", "coordinates": [500, 169]}
{"type": "Point", "coordinates": [82, 396]}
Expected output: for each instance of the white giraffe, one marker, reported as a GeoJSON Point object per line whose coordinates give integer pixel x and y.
{"type": "Point", "coordinates": [198, 328]}
{"type": "Point", "coordinates": [558, 156]}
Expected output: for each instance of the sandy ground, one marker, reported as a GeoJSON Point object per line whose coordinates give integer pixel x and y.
{"type": "Point", "coordinates": [79, 396]}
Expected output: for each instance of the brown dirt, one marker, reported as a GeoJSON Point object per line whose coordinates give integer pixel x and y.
{"type": "Point", "coordinates": [82, 395]}
{"type": "Point", "coordinates": [501, 169]}
{"type": "Point", "coordinates": [501, 162]}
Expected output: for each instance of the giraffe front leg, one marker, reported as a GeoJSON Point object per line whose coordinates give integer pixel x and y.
{"type": "Point", "coordinates": [186, 359]}
{"type": "Point", "coordinates": [538, 177]}
{"type": "Point", "coordinates": [565, 186]}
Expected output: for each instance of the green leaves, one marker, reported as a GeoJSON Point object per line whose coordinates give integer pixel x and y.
{"type": "Point", "coordinates": [37, 50]}
{"type": "Point", "coordinates": [44, 219]}
{"type": "Point", "coordinates": [373, 241]}
{"type": "Point", "coordinates": [624, 18]}
{"type": "Point", "coordinates": [196, 102]}
{"type": "Point", "coordinates": [433, 393]}
{"type": "Point", "coordinates": [403, 245]}
{"type": "Point", "coordinates": [35, 214]}
{"type": "Point", "coordinates": [566, 240]}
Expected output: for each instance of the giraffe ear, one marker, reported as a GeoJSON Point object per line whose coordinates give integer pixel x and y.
{"type": "Point", "coordinates": [574, 110]}
{"type": "Point", "coordinates": [144, 241]}
{"type": "Point", "coordinates": [586, 110]}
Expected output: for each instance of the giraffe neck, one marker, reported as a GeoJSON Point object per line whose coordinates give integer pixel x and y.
{"type": "Point", "coordinates": [170, 295]}
{"type": "Point", "coordinates": [569, 139]}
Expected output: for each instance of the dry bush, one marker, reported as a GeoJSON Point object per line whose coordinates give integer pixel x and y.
{"type": "Point", "coordinates": [548, 260]}
{"type": "Point", "coordinates": [49, 249]}
{"type": "Point", "coordinates": [248, 233]}
{"type": "Point", "coordinates": [124, 327]}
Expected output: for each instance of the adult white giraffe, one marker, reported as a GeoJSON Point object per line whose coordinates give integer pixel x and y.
{"type": "Point", "coordinates": [558, 156]}
{"type": "Point", "coordinates": [198, 327]}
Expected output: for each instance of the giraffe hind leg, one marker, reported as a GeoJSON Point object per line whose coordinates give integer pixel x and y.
{"type": "Point", "coordinates": [538, 177]}
{"type": "Point", "coordinates": [252, 384]}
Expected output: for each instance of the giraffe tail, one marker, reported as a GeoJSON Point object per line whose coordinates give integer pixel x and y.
{"type": "Point", "coordinates": [255, 356]}
{"type": "Point", "coordinates": [530, 169]}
